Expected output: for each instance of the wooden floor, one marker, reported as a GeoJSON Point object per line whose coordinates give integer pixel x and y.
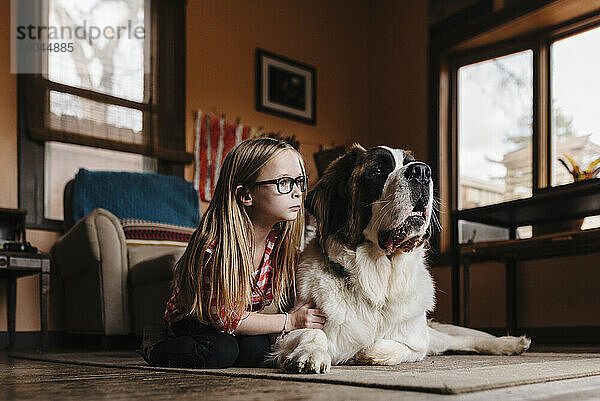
{"type": "Point", "coordinates": [34, 380]}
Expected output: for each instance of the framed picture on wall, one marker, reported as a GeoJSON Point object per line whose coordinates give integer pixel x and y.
{"type": "Point", "coordinates": [285, 87]}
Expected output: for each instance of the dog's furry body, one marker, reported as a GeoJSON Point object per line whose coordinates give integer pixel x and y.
{"type": "Point", "coordinates": [373, 285]}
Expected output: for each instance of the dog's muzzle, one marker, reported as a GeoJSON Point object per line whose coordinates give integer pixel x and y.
{"type": "Point", "coordinates": [393, 240]}
{"type": "Point", "coordinates": [419, 177]}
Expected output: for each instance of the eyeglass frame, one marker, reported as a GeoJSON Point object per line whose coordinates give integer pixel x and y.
{"type": "Point", "coordinates": [295, 181]}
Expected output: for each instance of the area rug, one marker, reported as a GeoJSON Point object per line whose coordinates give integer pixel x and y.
{"type": "Point", "coordinates": [447, 374]}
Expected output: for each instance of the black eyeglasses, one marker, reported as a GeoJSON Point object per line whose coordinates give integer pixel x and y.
{"type": "Point", "coordinates": [285, 185]}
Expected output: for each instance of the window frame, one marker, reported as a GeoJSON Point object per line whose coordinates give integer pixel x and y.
{"type": "Point", "coordinates": [447, 53]}
{"type": "Point", "coordinates": [168, 141]}
{"type": "Point", "coordinates": [464, 58]}
{"type": "Point", "coordinates": [540, 44]}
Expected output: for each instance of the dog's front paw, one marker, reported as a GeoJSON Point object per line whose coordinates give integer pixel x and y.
{"type": "Point", "coordinates": [509, 345]}
{"type": "Point", "coordinates": [305, 361]}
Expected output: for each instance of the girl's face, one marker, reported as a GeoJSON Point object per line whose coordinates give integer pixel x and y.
{"type": "Point", "coordinates": [268, 206]}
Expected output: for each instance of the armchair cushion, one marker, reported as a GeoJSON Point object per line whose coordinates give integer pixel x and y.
{"type": "Point", "coordinates": [153, 269]}
{"type": "Point", "coordinates": [150, 286]}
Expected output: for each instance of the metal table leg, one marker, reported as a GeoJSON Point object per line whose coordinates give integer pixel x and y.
{"type": "Point", "coordinates": [466, 297]}
{"type": "Point", "coordinates": [44, 308]}
{"type": "Point", "coordinates": [44, 304]}
{"type": "Point", "coordinates": [11, 305]}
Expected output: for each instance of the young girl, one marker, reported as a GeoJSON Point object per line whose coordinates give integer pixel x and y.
{"type": "Point", "coordinates": [241, 258]}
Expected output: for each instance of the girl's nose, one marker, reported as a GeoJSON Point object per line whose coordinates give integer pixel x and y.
{"type": "Point", "coordinates": [296, 193]}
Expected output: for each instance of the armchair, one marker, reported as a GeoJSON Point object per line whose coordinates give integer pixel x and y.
{"type": "Point", "coordinates": [116, 265]}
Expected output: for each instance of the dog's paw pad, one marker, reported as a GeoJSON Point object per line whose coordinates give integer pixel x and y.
{"type": "Point", "coordinates": [292, 365]}
{"type": "Point", "coordinates": [315, 361]}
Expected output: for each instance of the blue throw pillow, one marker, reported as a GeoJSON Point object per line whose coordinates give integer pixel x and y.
{"type": "Point", "coordinates": [144, 196]}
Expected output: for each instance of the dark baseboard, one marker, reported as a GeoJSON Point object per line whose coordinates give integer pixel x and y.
{"type": "Point", "coordinates": [30, 339]}
{"type": "Point", "coordinates": [554, 335]}
{"type": "Point", "coordinates": [59, 339]}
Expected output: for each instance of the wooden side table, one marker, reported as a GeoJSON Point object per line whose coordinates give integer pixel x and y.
{"type": "Point", "coordinates": [18, 264]}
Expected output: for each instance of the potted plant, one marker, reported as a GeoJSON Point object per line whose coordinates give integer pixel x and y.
{"type": "Point", "coordinates": [578, 174]}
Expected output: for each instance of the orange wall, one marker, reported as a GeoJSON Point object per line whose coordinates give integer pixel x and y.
{"type": "Point", "coordinates": [398, 75]}
{"type": "Point", "coordinates": [8, 115]}
{"type": "Point", "coordinates": [221, 40]}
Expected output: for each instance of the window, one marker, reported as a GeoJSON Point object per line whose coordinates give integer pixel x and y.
{"type": "Point", "coordinates": [497, 158]}
{"type": "Point", "coordinates": [112, 67]}
{"type": "Point", "coordinates": [495, 111]}
{"type": "Point", "coordinates": [98, 92]}
{"type": "Point", "coordinates": [575, 126]}
{"type": "Point", "coordinates": [516, 109]}
{"type": "Point", "coordinates": [114, 100]}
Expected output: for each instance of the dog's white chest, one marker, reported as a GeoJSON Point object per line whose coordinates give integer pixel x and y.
{"type": "Point", "coordinates": [378, 298]}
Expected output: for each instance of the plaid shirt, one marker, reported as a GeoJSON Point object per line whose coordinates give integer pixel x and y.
{"type": "Point", "coordinates": [262, 294]}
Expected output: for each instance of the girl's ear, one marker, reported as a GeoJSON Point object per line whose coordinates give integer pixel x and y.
{"type": "Point", "coordinates": [243, 195]}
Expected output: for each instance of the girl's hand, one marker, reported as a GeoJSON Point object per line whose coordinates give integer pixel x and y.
{"type": "Point", "coordinates": [306, 317]}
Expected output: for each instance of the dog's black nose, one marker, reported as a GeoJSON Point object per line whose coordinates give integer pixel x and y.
{"type": "Point", "coordinates": [418, 172]}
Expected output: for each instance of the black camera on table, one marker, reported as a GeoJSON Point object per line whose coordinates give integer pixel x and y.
{"type": "Point", "coordinates": [13, 246]}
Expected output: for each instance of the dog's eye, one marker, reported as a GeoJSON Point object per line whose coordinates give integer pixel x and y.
{"type": "Point", "coordinates": [375, 172]}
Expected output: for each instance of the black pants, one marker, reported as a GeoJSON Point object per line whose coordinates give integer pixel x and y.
{"type": "Point", "coordinates": [199, 346]}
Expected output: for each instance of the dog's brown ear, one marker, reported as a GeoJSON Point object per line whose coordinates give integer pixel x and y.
{"type": "Point", "coordinates": [329, 201]}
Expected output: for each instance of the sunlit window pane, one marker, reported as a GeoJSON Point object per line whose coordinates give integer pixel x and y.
{"type": "Point", "coordinates": [591, 222]}
{"type": "Point", "coordinates": [495, 106]}
{"type": "Point", "coordinates": [111, 62]}
{"type": "Point", "coordinates": [79, 115]}
{"type": "Point", "coordinates": [575, 72]}
{"type": "Point", "coordinates": [63, 160]}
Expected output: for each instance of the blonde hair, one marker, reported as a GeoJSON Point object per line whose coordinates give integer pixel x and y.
{"type": "Point", "coordinates": [229, 266]}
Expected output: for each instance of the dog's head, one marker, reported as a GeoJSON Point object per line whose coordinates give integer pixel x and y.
{"type": "Point", "coordinates": [380, 195]}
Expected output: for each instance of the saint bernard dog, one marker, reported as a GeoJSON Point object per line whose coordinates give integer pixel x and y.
{"type": "Point", "coordinates": [366, 270]}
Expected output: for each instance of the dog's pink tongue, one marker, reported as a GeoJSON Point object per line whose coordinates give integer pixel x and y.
{"type": "Point", "coordinates": [386, 240]}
